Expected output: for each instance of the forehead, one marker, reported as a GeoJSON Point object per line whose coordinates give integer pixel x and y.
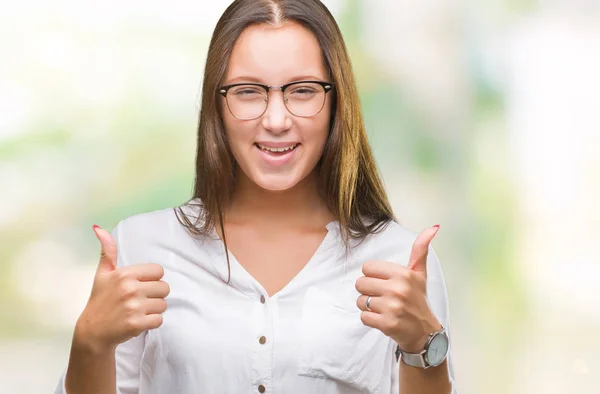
{"type": "Point", "coordinates": [276, 54]}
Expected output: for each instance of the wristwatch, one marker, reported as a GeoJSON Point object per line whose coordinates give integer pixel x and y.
{"type": "Point", "coordinates": [434, 354]}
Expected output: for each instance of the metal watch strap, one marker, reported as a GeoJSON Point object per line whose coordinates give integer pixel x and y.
{"type": "Point", "coordinates": [412, 359]}
{"type": "Point", "coordinates": [416, 359]}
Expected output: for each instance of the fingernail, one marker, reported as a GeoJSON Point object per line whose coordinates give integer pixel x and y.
{"type": "Point", "coordinates": [95, 226]}
{"type": "Point", "coordinates": [437, 228]}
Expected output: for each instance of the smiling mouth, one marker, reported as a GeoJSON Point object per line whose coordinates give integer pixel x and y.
{"type": "Point", "coordinates": [277, 151]}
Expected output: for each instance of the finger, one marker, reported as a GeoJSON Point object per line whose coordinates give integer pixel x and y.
{"type": "Point", "coordinates": [152, 321]}
{"type": "Point", "coordinates": [373, 320]}
{"type": "Point", "coordinates": [418, 254]}
{"type": "Point", "coordinates": [381, 269]}
{"type": "Point", "coordinates": [154, 305]}
{"type": "Point", "coordinates": [374, 304]}
{"type": "Point", "coordinates": [371, 286]}
{"type": "Point", "coordinates": [145, 272]}
{"type": "Point", "coordinates": [156, 289]}
{"type": "Point", "coordinates": [108, 250]}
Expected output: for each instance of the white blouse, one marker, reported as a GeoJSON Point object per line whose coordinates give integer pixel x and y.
{"type": "Point", "coordinates": [234, 338]}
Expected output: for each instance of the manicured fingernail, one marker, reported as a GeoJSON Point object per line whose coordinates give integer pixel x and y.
{"type": "Point", "coordinates": [437, 228]}
{"type": "Point", "coordinates": [95, 227]}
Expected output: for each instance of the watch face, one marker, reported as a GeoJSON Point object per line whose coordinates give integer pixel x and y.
{"type": "Point", "coordinates": [438, 348]}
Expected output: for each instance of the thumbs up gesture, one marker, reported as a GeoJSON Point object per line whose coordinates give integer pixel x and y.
{"type": "Point", "coordinates": [394, 299]}
{"type": "Point", "coordinates": [123, 302]}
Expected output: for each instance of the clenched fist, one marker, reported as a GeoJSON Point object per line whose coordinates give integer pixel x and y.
{"type": "Point", "coordinates": [124, 301]}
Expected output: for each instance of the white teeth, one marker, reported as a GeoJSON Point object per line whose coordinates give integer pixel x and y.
{"type": "Point", "coordinates": [277, 149]}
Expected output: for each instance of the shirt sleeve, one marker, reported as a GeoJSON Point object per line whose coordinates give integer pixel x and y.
{"type": "Point", "coordinates": [438, 302]}
{"type": "Point", "coordinates": [127, 354]}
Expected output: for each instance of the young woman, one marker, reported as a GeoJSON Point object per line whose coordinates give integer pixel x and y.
{"type": "Point", "coordinates": [286, 272]}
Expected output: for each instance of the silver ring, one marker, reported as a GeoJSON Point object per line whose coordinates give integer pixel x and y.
{"type": "Point", "coordinates": [368, 303]}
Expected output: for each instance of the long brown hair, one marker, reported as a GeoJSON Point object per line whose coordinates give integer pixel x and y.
{"type": "Point", "coordinates": [349, 179]}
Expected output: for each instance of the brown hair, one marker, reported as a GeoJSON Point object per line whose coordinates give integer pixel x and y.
{"type": "Point", "coordinates": [349, 179]}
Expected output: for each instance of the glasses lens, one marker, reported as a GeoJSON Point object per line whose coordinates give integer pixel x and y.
{"type": "Point", "coordinates": [305, 98]}
{"type": "Point", "coordinates": [247, 101]}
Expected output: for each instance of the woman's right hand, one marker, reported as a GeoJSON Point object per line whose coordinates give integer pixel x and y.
{"type": "Point", "coordinates": [123, 303]}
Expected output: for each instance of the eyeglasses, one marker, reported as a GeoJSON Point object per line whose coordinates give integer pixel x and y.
{"type": "Point", "coordinates": [247, 101]}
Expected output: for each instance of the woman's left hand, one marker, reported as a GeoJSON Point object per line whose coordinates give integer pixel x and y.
{"type": "Point", "coordinates": [398, 305]}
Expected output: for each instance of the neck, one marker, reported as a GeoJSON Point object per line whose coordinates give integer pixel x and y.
{"type": "Point", "coordinates": [301, 206]}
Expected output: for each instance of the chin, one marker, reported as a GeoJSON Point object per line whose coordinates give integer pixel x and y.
{"type": "Point", "coordinates": [275, 183]}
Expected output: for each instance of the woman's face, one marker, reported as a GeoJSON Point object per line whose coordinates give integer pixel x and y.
{"type": "Point", "coordinates": [276, 56]}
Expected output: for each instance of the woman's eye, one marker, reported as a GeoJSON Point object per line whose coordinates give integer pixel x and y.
{"type": "Point", "coordinates": [246, 92]}
{"type": "Point", "coordinates": [303, 91]}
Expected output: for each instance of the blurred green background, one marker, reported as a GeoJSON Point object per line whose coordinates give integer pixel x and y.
{"type": "Point", "coordinates": [483, 117]}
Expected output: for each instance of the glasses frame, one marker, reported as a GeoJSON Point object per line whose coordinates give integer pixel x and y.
{"type": "Point", "coordinates": [327, 87]}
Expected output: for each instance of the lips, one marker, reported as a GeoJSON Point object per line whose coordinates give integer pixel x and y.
{"type": "Point", "coordinates": [277, 149]}
{"type": "Point", "coordinates": [277, 155]}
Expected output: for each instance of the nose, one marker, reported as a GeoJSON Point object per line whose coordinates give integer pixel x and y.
{"type": "Point", "coordinates": [276, 118]}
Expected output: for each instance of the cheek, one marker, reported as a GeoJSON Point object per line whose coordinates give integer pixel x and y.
{"type": "Point", "coordinates": [228, 120]}
{"type": "Point", "coordinates": [231, 124]}
{"type": "Point", "coordinates": [238, 143]}
{"type": "Point", "coordinates": [319, 139]}
{"type": "Point", "coordinates": [319, 132]}
{"type": "Point", "coordinates": [327, 118]}
{"type": "Point", "coordinates": [238, 133]}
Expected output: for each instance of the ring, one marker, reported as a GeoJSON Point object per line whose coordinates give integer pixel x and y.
{"type": "Point", "coordinates": [368, 303]}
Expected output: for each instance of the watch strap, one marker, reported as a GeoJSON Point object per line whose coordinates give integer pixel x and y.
{"type": "Point", "coordinates": [412, 359]}
{"type": "Point", "coordinates": [417, 359]}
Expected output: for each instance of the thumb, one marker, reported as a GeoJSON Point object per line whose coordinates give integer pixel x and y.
{"type": "Point", "coordinates": [108, 251]}
{"type": "Point", "coordinates": [418, 254]}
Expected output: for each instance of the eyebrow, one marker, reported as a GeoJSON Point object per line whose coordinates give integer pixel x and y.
{"type": "Point", "coordinates": [246, 78]}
